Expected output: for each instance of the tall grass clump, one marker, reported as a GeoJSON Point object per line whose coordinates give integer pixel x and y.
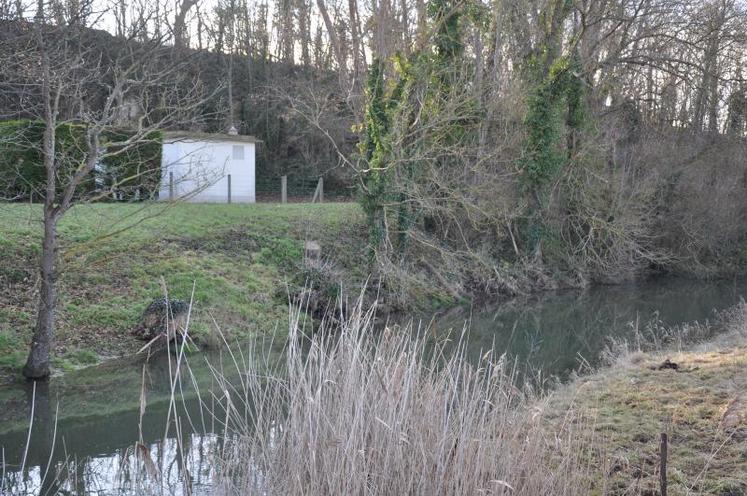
{"type": "Point", "coordinates": [362, 411]}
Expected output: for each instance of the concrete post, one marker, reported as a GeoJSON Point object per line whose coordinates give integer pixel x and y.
{"type": "Point", "coordinates": [321, 190]}
{"type": "Point", "coordinates": [284, 189]}
{"type": "Point", "coordinates": [229, 188]}
{"type": "Point", "coordinates": [171, 186]}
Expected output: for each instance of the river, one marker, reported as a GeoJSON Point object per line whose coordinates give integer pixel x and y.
{"type": "Point", "coordinates": [92, 416]}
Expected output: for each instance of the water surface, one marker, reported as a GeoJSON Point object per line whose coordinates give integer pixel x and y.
{"type": "Point", "coordinates": [98, 409]}
{"type": "Point", "coordinates": [557, 333]}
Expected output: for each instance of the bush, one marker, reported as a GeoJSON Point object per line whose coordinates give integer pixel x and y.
{"type": "Point", "coordinates": [134, 173]}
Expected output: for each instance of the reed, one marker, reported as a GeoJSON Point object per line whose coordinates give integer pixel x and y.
{"type": "Point", "coordinates": [357, 411]}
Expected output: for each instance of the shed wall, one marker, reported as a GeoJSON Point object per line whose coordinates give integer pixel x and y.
{"type": "Point", "coordinates": [200, 171]}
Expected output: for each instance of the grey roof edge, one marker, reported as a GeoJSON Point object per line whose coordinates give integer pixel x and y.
{"type": "Point", "coordinates": [200, 136]}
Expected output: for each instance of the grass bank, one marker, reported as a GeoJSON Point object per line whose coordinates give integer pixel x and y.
{"type": "Point", "coordinates": [241, 258]}
{"type": "Point", "coordinates": [701, 404]}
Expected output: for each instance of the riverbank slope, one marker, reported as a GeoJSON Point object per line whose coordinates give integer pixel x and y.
{"type": "Point", "coordinates": [244, 261]}
{"type": "Point", "coordinates": [697, 395]}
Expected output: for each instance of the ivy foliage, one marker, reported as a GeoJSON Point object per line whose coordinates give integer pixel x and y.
{"type": "Point", "coordinates": [556, 107]}
{"type": "Point", "coordinates": [377, 178]}
{"type": "Point", "coordinates": [134, 171]}
{"type": "Point", "coordinates": [397, 111]}
{"type": "Point", "coordinates": [556, 114]}
{"type": "Point", "coordinates": [22, 172]}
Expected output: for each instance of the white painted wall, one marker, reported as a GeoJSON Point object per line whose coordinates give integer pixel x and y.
{"type": "Point", "coordinates": [200, 170]}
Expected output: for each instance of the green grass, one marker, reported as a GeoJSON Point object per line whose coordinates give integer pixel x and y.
{"type": "Point", "coordinates": [12, 351]}
{"type": "Point", "coordinates": [115, 258]}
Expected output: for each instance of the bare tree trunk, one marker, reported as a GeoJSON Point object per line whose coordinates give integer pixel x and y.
{"type": "Point", "coordinates": [284, 27]}
{"type": "Point", "coordinates": [355, 37]}
{"type": "Point", "coordinates": [231, 21]}
{"type": "Point", "coordinates": [335, 42]}
{"type": "Point", "coordinates": [496, 46]}
{"type": "Point", "coordinates": [200, 29]}
{"type": "Point", "coordinates": [422, 21]}
{"type": "Point", "coordinates": [383, 16]}
{"type": "Point", "coordinates": [713, 99]}
{"type": "Point", "coordinates": [706, 103]}
{"type": "Point", "coordinates": [37, 364]}
{"type": "Point", "coordinates": [304, 31]}
{"type": "Point", "coordinates": [477, 46]}
{"type": "Point", "coordinates": [553, 42]}
{"type": "Point", "coordinates": [263, 37]}
{"type": "Point", "coordinates": [180, 22]}
{"type": "Point", "coordinates": [121, 18]}
{"type": "Point", "coordinates": [406, 40]}
{"type": "Point", "coordinates": [648, 106]}
{"type": "Point", "coordinates": [230, 124]}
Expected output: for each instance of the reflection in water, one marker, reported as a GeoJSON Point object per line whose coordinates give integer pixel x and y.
{"type": "Point", "coordinates": [555, 334]}
{"type": "Point", "coordinates": [78, 451]}
{"type": "Point", "coordinates": [99, 415]}
{"type": "Point", "coordinates": [121, 469]}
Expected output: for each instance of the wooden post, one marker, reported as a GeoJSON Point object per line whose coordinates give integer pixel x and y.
{"type": "Point", "coordinates": [284, 189]}
{"type": "Point", "coordinates": [171, 186]}
{"type": "Point", "coordinates": [229, 188]}
{"type": "Point", "coordinates": [321, 190]}
{"type": "Point", "coordinates": [663, 464]}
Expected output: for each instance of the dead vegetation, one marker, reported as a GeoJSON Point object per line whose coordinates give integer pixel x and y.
{"type": "Point", "coordinates": [699, 403]}
{"type": "Point", "coordinates": [361, 412]}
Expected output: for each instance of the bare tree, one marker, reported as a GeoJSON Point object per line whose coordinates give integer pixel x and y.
{"type": "Point", "coordinates": [304, 30]}
{"type": "Point", "coordinates": [180, 22]}
{"type": "Point", "coordinates": [336, 44]}
{"type": "Point", "coordinates": [76, 86]}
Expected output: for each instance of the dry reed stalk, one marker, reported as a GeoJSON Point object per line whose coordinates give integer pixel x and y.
{"type": "Point", "coordinates": [382, 413]}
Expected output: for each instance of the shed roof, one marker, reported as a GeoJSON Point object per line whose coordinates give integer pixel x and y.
{"type": "Point", "coordinates": [200, 136]}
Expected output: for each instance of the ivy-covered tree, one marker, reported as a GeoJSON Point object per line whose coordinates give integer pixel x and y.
{"type": "Point", "coordinates": [554, 117]}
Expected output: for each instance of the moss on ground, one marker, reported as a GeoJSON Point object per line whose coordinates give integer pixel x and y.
{"type": "Point", "coordinates": [629, 405]}
{"type": "Point", "coordinates": [114, 257]}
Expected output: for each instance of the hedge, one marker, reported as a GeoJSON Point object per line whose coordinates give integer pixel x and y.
{"type": "Point", "coordinates": [137, 170]}
{"type": "Point", "coordinates": [130, 174]}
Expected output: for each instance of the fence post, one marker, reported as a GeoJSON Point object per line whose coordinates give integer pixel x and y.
{"type": "Point", "coordinates": [663, 464]}
{"type": "Point", "coordinates": [171, 186]}
{"type": "Point", "coordinates": [284, 189]}
{"type": "Point", "coordinates": [321, 190]}
{"type": "Point", "coordinates": [229, 188]}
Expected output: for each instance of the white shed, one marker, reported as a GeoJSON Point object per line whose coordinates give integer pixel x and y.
{"type": "Point", "coordinates": [203, 167]}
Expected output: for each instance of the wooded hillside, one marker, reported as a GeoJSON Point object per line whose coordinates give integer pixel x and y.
{"type": "Point", "coordinates": [493, 145]}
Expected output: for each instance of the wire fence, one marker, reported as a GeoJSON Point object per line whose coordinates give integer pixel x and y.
{"type": "Point", "coordinates": [301, 189]}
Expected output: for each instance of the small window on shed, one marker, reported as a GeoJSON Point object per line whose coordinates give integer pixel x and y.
{"type": "Point", "coordinates": [238, 152]}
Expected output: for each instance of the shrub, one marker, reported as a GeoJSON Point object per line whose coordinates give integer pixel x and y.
{"type": "Point", "coordinates": [134, 172]}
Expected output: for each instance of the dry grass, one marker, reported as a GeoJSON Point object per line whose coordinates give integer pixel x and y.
{"type": "Point", "coordinates": [364, 413]}
{"type": "Point", "coordinates": [633, 401]}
